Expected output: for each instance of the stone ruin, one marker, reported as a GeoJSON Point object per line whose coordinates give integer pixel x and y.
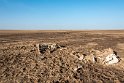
{"type": "Point", "coordinates": [51, 47]}
{"type": "Point", "coordinates": [106, 56]}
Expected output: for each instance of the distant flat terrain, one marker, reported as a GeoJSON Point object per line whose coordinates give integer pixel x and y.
{"type": "Point", "coordinates": [37, 31]}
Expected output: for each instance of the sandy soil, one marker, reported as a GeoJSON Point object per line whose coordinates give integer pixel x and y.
{"type": "Point", "coordinates": [20, 62]}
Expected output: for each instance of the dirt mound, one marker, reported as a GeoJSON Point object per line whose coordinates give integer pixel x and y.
{"type": "Point", "coordinates": [19, 63]}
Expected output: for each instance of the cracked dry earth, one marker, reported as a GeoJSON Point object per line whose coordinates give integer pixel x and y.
{"type": "Point", "coordinates": [20, 62]}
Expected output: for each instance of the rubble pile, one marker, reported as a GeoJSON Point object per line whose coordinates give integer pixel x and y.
{"type": "Point", "coordinates": [106, 56]}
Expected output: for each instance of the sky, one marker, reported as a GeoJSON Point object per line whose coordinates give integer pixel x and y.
{"type": "Point", "coordinates": [61, 14]}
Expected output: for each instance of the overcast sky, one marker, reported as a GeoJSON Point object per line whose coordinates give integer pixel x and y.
{"type": "Point", "coordinates": [61, 14]}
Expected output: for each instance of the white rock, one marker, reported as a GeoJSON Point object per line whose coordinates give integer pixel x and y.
{"type": "Point", "coordinates": [111, 59]}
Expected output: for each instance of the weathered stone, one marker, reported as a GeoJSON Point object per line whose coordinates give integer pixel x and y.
{"type": "Point", "coordinates": [106, 56]}
{"type": "Point", "coordinates": [41, 48]}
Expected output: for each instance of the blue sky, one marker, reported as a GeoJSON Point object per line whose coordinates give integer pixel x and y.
{"type": "Point", "coordinates": [61, 14]}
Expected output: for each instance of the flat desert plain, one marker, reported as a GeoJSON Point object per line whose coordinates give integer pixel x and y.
{"type": "Point", "coordinates": [20, 61]}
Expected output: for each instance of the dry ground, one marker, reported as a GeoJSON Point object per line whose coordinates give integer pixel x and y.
{"type": "Point", "coordinates": [20, 63]}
